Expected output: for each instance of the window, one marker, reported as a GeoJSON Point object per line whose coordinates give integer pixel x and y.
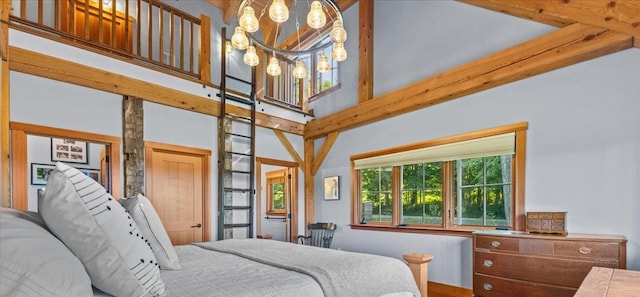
{"type": "Point", "coordinates": [317, 83]}
{"type": "Point", "coordinates": [460, 183]}
{"type": "Point", "coordinates": [276, 189]}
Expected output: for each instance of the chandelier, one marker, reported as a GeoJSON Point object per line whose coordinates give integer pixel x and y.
{"type": "Point", "coordinates": [318, 15]}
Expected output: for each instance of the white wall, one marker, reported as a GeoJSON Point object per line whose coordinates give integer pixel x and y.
{"type": "Point", "coordinates": [583, 157]}
{"type": "Point", "coordinates": [583, 144]}
{"type": "Point", "coordinates": [269, 146]}
{"type": "Point", "coordinates": [41, 101]}
{"type": "Point", "coordinates": [39, 151]}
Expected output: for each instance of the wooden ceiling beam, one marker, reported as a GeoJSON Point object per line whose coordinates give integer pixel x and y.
{"type": "Point", "coordinates": [5, 145]}
{"type": "Point", "coordinates": [287, 144]}
{"type": "Point", "coordinates": [323, 152]}
{"type": "Point", "coordinates": [564, 47]}
{"type": "Point", "coordinates": [618, 15]}
{"type": "Point", "coordinates": [307, 32]}
{"type": "Point", "coordinates": [228, 8]}
{"type": "Point", "coordinates": [365, 49]}
{"type": "Point", "coordinates": [29, 62]}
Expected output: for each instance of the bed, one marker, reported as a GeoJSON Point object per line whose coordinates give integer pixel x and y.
{"type": "Point", "coordinates": [82, 242]}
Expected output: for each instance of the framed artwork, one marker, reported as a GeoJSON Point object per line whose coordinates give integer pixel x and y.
{"type": "Point", "coordinates": [92, 173]}
{"type": "Point", "coordinates": [70, 151]}
{"type": "Point", "coordinates": [40, 173]}
{"type": "Point", "coordinates": [332, 188]}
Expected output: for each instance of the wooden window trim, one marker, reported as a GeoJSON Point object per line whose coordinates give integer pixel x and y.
{"type": "Point", "coordinates": [447, 228]}
{"type": "Point", "coordinates": [19, 132]}
{"type": "Point", "coordinates": [270, 176]}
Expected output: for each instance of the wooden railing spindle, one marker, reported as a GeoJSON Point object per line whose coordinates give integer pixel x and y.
{"type": "Point", "coordinates": [182, 43]}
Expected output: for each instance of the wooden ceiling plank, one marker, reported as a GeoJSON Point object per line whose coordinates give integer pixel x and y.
{"type": "Point", "coordinates": [323, 152]}
{"type": "Point", "coordinates": [619, 15]}
{"type": "Point", "coordinates": [564, 47]}
{"type": "Point", "coordinates": [287, 144]}
{"type": "Point", "coordinates": [58, 69]}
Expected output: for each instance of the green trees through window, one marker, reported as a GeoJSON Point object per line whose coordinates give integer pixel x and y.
{"type": "Point", "coordinates": [461, 183]}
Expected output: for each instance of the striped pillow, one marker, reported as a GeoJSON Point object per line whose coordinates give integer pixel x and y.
{"type": "Point", "coordinates": [150, 225]}
{"type": "Point", "coordinates": [101, 233]}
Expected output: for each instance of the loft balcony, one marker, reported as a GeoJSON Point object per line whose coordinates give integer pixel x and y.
{"type": "Point", "coordinates": [147, 33]}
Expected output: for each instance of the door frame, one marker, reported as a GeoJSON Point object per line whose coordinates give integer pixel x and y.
{"type": "Point", "coordinates": [19, 131]}
{"type": "Point", "coordinates": [293, 205]}
{"type": "Point", "coordinates": [150, 147]}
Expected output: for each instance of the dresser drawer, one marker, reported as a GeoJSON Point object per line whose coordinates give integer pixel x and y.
{"type": "Point", "coordinates": [601, 251]}
{"type": "Point", "coordinates": [487, 286]}
{"type": "Point", "coordinates": [548, 270]}
{"type": "Point", "coordinates": [497, 243]}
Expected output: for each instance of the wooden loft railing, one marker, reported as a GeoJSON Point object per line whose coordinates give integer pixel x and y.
{"type": "Point", "coordinates": [284, 89]}
{"type": "Point", "coordinates": [144, 31]}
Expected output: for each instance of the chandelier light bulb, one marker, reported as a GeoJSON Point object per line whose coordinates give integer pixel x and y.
{"type": "Point", "coordinates": [250, 57]}
{"type": "Point", "coordinates": [248, 20]}
{"type": "Point", "coordinates": [239, 39]}
{"type": "Point", "coordinates": [273, 68]}
{"type": "Point", "coordinates": [299, 71]}
{"type": "Point", "coordinates": [316, 18]}
{"type": "Point", "coordinates": [338, 33]}
{"type": "Point", "coordinates": [228, 47]}
{"type": "Point", "coordinates": [339, 53]}
{"type": "Point", "coordinates": [323, 65]}
{"type": "Point", "coordinates": [278, 11]}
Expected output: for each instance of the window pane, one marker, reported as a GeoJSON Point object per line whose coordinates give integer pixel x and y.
{"type": "Point", "coordinates": [483, 191]}
{"type": "Point", "coordinates": [471, 171]}
{"type": "Point", "coordinates": [370, 179]}
{"type": "Point", "coordinates": [376, 194]}
{"type": "Point", "coordinates": [497, 211]}
{"type": "Point", "coordinates": [470, 208]}
{"type": "Point", "coordinates": [278, 196]}
{"type": "Point", "coordinates": [422, 193]}
{"type": "Point", "coordinates": [498, 169]}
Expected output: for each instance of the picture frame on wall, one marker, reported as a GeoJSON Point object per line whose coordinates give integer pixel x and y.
{"type": "Point", "coordinates": [92, 173]}
{"type": "Point", "coordinates": [69, 151]}
{"type": "Point", "coordinates": [332, 188]}
{"type": "Point", "coordinates": [40, 173]}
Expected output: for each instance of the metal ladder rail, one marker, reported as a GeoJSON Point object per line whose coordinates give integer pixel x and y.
{"type": "Point", "coordinates": [224, 155]}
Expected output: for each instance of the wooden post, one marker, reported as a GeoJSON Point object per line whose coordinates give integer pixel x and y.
{"type": "Point", "coordinates": [419, 266]}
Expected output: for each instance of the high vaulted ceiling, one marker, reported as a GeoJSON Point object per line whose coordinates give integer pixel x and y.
{"type": "Point", "coordinates": [229, 10]}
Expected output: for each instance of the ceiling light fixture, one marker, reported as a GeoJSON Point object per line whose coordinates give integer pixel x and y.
{"type": "Point", "coordinates": [318, 14]}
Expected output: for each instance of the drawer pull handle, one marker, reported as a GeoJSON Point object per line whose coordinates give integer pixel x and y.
{"type": "Point", "coordinates": [584, 250]}
{"type": "Point", "coordinates": [487, 286]}
{"type": "Point", "coordinates": [495, 243]}
{"type": "Point", "coordinates": [488, 263]}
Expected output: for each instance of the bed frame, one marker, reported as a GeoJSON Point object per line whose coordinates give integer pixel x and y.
{"type": "Point", "coordinates": [419, 266]}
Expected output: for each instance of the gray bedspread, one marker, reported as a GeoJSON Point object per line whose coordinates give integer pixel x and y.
{"type": "Point", "coordinates": [339, 273]}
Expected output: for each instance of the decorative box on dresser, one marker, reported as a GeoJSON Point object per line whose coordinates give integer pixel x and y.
{"type": "Point", "coordinates": [515, 263]}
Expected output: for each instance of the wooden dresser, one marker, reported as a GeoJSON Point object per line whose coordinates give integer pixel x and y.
{"type": "Point", "coordinates": [513, 263]}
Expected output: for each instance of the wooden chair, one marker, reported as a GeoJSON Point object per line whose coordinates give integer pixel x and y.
{"type": "Point", "coordinates": [320, 235]}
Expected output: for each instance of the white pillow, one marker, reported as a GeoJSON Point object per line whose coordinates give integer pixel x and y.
{"type": "Point", "coordinates": [100, 232]}
{"type": "Point", "coordinates": [151, 227]}
{"type": "Point", "coordinates": [35, 263]}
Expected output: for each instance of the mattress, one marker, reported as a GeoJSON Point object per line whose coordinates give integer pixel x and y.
{"type": "Point", "coordinates": [214, 274]}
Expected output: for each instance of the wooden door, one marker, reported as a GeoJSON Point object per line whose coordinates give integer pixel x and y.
{"type": "Point", "coordinates": [98, 25]}
{"type": "Point", "coordinates": [291, 214]}
{"type": "Point", "coordinates": [177, 186]}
